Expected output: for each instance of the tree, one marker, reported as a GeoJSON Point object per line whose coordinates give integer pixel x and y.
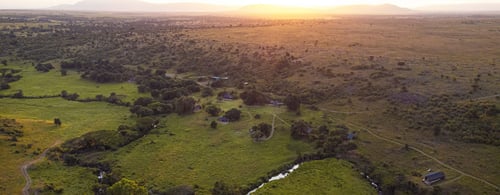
{"type": "Point", "coordinates": [221, 188]}
{"type": "Point", "coordinates": [57, 122]}
{"type": "Point", "coordinates": [300, 129]}
{"type": "Point", "coordinates": [213, 124]}
{"type": "Point", "coordinates": [260, 131]}
{"type": "Point", "coordinates": [292, 102]}
{"type": "Point", "coordinates": [206, 92]}
{"type": "Point", "coordinates": [213, 110]}
{"type": "Point", "coordinates": [126, 186]}
{"type": "Point", "coordinates": [254, 97]}
{"type": "Point", "coordinates": [18, 94]}
{"type": "Point", "coordinates": [145, 124]}
{"type": "Point", "coordinates": [184, 105]}
{"type": "Point", "coordinates": [143, 101]}
{"type": "Point", "coordinates": [4, 85]}
{"type": "Point", "coordinates": [4, 62]}
{"type": "Point", "coordinates": [233, 114]}
{"type": "Point", "coordinates": [64, 93]}
{"type": "Point", "coordinates": [64, 72]}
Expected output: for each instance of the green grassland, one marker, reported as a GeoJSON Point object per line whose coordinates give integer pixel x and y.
{"type": "Point", "coordinates": [36, 83]}
{"type": "Point", "coordinates": [329, 176]}
{"type": "Point", "coordinates": [37, 115]}
{"type": "Point", "coordinates": [188, 152]}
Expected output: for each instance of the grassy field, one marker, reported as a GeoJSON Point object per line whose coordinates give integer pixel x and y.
{"type": "Point", "coordinates": [329, 176]}
{"type": "Point", "coordinates": [39, 131]}
{"type": "Point", "coordinates": [188, 152]}
{"type": "Point", "coordinates": [36, 83]}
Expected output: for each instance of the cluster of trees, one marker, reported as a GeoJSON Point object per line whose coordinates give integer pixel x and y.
{"type": "Point", "coordinates": [7, 76]}
{"type": "Point", "coordinates": [475, 122]}
{"type": "Point", "coordinates": [300, 129]}
{"type": "Point", "coordinates": [254, 97]}
{"type": "Point", "coordinates": [261, 131]}
{"type": "Point", "coordinates": [40, 67]}
{"type": "Point", "coordinates": [102, 71]}
{"type": "Point", "coordinates": [233, 114]}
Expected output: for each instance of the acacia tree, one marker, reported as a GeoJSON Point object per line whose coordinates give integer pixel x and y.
{"type": "Point", "coordinates": [57, 122]}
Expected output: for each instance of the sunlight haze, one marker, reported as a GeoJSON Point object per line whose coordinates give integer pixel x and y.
{"type": "Point", "coordinates": [35, 4]}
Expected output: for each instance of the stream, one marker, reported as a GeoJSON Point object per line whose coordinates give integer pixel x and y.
{"type": "Point", "coordinates": [276, 177]}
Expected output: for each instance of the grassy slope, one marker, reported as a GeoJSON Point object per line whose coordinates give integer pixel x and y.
{"type": "Point", "coordinates": [329, 176]}
{"type": "Point", "coordinates": [197, 154]}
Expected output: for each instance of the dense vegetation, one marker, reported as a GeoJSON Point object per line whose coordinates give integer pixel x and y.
{"type": "Point", "coordinates": [163, 70]}
{"type": "Point", "coordinates": [475, 122]}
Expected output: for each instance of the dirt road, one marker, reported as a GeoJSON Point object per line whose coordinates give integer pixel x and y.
{"type": "Point", "coordinates": [26, 166]}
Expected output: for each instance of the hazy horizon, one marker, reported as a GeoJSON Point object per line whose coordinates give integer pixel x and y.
{"type": "Point", "coordinates": [36, 4]}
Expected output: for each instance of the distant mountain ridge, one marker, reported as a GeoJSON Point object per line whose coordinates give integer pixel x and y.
{"type": "Point", "coordinates": [266, 9]}
{"type": "Point", "coordinates": [462, 7]}
{"type": "Point", "coordinates": [140, 6]}
{"type": "Point", "coordinates": [384, 9]}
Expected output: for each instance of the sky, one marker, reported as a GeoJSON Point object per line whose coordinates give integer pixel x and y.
{"type": "Point", "coordinates": [33, 4]}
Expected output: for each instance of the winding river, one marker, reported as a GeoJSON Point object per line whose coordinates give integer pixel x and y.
{"type": "Point", "coordinates": [276, 177]}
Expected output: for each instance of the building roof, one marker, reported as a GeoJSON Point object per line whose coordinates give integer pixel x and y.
{"type": "Point", "coordinates": [434, 176]}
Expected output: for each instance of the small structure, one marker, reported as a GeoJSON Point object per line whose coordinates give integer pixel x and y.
{"type": "Point", "coordinates": [433, 177]}
{"type": "Point", "coordinates": [223, 120]}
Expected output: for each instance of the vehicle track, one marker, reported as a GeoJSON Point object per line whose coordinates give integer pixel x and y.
{"type": "Point", "coordinates": [26, 166]}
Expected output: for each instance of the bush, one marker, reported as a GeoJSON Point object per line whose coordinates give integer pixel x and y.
{"type": "Point", "coordinates": [233, 114]}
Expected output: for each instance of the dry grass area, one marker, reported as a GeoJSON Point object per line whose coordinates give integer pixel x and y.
{"type": "Point", "coordinates": [441, 55]}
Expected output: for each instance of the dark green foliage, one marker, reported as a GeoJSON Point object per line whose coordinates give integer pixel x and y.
{"type": "Point", "coordinates": [4, 86]}
{"type": "Point", "coordinates": [97, 141]}
{"type": "Point", "coordinates": [292, 102]}
{"type": "Point", "coordinates": [101, 71]}
{"type": "Point", "coordinates": [300, 129]}
{"type": "Point", "coordinates": [184, 105]}
{"type": "Point", "coordinates": [141, 111]}
{"type": "Point", "coordinates": [473, 122]}
{"type": "Point", "coordinates": [261, 131]}
{"type": "Point", "coordinates": [254, 97]}
{"type": "Point", "coordinates": [10, 127]}
{"type": "Point", "coordinates": [145, 124]}
{"type": "Point", "coordinates": [64, 72]}
{"type": "Point", "coordinates": [221, 188]}
{"type": "Point", "coordinates": [143, 101]}
{"type": "Point", "coordinates": [213, 110]}
{"type": "Point", "coordinates": [44, 67]}
{"type": "Point", "coordinates": [18, 94]}
{"type": "Point", "coordinates": [206, 92]}
{"type": "Point", "coordinates": [71, 97]}
{"type": "Point", "coordinates": [57, 122]}
{"type": "Point", "coordinates": [233, 114]}
{"type": "Point", "coordinates": [4, 62]}
{"type": "Point", "coordinates": [213, 125]}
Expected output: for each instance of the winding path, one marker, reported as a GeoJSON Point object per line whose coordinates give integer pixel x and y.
{"type": "Point", "coordinates": [421, 152]}
{"type": "Point", "coordinates": [26, 166]}
{"type": "Point", "coordinates": [272, 130]}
